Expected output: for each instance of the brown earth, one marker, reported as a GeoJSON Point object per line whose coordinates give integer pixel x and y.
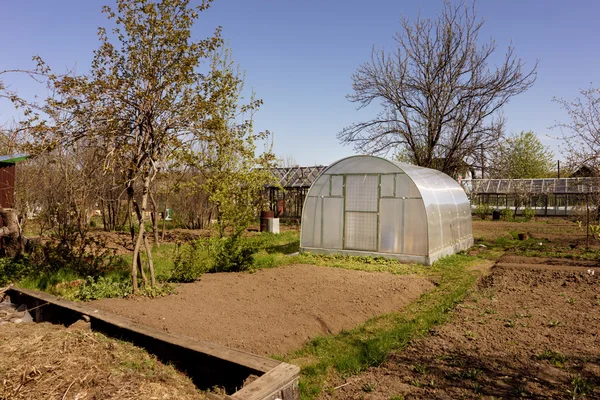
{"type": "Point", "coordinates": [45, 361]}
{"type": "Point", "coordinates": [272, 311]}
{"type": "Point", "coordinates": [532, 330]}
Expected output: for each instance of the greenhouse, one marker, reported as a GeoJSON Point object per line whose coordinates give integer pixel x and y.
{"type": "Point", "coordinates": [365, 205]}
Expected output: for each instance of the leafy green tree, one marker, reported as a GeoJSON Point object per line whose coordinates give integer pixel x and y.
{"type": "Point", "coordinates": [522, 156]}
{"type": "Point", "coordinates": [152, 93]}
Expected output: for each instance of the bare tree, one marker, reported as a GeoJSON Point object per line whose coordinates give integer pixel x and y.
{"type": "Point", "coordinates": [582, 133]}
{"type": "Point", "coordinates": [440, 97]}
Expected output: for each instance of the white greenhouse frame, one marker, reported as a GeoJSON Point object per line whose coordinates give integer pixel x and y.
{"type": "Point", "coordinates": [366, 205]}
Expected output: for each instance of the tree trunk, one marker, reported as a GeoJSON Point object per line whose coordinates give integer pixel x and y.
{"type": "Point", "coordinates": [141, 213]}
{"type": "Point", "coordinates": [10, 232]}
{"type": "Point", "coordinates": [154, 220]}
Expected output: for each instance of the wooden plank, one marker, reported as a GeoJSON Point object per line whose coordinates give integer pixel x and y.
{"type": "Point", "coordinates": [235, 356]}
{"type": "Point", "coordinates": [270, 384]}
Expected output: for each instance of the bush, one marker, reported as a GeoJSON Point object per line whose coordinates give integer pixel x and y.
{"type": "Point", "coordinates": [483, 210]}
{"type": "Point", "coordinates": [528, 213]}
{"type": "Point", "coordinates": [85, 256]}
{"type": "Point", "coordinates": [232, 254]}
{"type": "Point", "coordinates": [190, 263]}
{"type": "Point", "coordinates": [14, 269]}
{"type": "Point", "coordinates": [507, 214]}
{"type": "Point", "coordinates": [93, 289]}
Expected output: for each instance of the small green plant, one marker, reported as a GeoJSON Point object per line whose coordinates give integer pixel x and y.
{"type": "Point", "coordinates": [397, 397]}
{"type": "Point", "coordinates": [101, 287]}
{"type": "Point", "coordinates": [14, 269]}
{"type": "Point", "coordinates": [553, 357]}
{"type": "Point", "coordinates": [190, 263]}
{"type": "Point", "coordinates": [507, 214]}
{"type": "Point", "coordinates": [509, 323]}
{"type": "Point", "coordinates": [368, 387]}
{"type": "Point", "coordinates": [232, 254]}
{"type": "Point", "coordinates": [472, 373]}
{"type": "Point", "coordinates": [571, 300]}
{"type": "Point", "coordinates": [528, 213]}
{"type": "Point", "coordinates": [470, 335]}
{"type": "Point", "coordinates": [554, 324]}
{"type": "Point", "coordinates": [419, 368]}
{"type": "Point", "coordinates": [580, 387]}
{"type": "Point", "coordinates": [483, 210]}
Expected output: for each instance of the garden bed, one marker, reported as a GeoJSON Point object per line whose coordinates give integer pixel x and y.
{"type": "Point", "coordinates": [529, 330]}
{"type": "Point", "coordinates": [272, 311]}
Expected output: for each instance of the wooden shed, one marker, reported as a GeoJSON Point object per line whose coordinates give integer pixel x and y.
{"type": "Point", "coordinates": [7, 178]}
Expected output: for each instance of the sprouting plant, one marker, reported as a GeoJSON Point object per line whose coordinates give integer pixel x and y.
{"type": "Point", "coordinates": [419, 368]}
{"type": "Point", "coordinates": [554, 324]}
{"type": "Point", "coordinates": [553, 357]}
{"type": "Point", "coordinates": [368, 387]}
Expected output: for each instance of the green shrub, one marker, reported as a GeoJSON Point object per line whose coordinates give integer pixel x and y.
{"type": "Point", "coordinates": [14, 269]}
{"type": "Point", "coordinates": [232, 254]}
{"type": "Point", "coordinates": [507, 214]}
{"type": "Point", "coordinates": [528, 213]}
{"type": "Point", "coordinates": [101, 287]}
{"type": "Point", "coordinates": [190, 263]}
{"type": "Point", "coordinates": [483, 210]}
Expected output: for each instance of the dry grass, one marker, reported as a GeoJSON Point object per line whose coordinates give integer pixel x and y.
{"type": "Point", "coordinates": [45, 361]}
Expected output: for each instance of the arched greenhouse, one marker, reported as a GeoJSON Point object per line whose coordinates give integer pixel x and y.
{"type": "Point", "coordinates": [365, 205]}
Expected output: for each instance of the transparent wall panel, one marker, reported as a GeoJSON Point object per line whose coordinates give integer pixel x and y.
{"type": "Point", "coordinates": [387, 186]}
{"type": "Point", "coordinates": [333, 223]}
{"type": "Point", "coordinates": [391, 215]}
{"type": "Point", "coordinates": [362, 192]}
{"type": "Point", "coordinates": [415, 228]}
{"type": "Point", "coordinates": [405, 187]}
{"type": "Point", "coordinates": [362, 165]}
{"type": "Point", "coordinates": [337, 185]}
{"type": "Point", "coordinates": [361, 231]}
{"type": "Point", "coordinates": [318, 222]}
{"type": "Point", "coordinates": [308, 222]}
{"type": "Point", "coordinates": [320, 187]}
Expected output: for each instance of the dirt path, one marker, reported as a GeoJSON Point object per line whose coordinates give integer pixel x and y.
{"type": "Point", "coordinates": [272, 311]}
{"type": "Point", "coordinates": [527, 332]}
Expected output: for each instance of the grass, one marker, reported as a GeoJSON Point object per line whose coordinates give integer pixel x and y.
{"type": "Point", "coordinates": [353, 351]}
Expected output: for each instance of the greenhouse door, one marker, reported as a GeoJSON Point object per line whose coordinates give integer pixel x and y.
{"type": "Point", "coordinates": [361, 217]}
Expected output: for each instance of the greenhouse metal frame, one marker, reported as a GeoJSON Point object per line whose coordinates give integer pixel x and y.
{"type": "Point", "coordinates": [366, 205]}
{"type": "Point", "coordinates": [547, 197]}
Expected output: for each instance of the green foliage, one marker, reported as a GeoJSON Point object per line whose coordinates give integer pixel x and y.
{"type": "Point", "coordinates": [190, 263]}
{"type": "Point", "coordinates": [101, 287]}
{"type": "Point", "coordinates": [232, 254]}
{"type": "Point", "coordinates": [107, 287]}
{"type": "Point", "coordinates": [528, 213]}
{"type": "Point", "coordinates": [14, 269]}
{"type": "Point", "coordinates": [483, 210]}
{"type": "Point", "coordinates": [507, 214]}
{"type": "Point", "coordinates": [553, 357]}
{"type": "Point", "coordinates": [351, 352]}
{"type": "Point", "coordinates": [523, 156]}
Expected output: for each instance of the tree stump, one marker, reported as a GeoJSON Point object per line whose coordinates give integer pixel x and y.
{"type": "Point", "coordinates": [10, 232]}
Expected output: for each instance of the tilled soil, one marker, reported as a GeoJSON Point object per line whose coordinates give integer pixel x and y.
{"type": "Point", "coordinates": [272, 311]}
{"type": "Point", "coordinates": [531, 330]}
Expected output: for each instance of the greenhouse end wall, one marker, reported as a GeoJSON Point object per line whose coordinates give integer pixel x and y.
{"type": "Point", "coordinates": [365, 205]}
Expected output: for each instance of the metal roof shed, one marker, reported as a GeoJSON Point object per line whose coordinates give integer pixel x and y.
{"type": "Point", "coordinates": [7, 178]}
{"type": "Point", "coordinates": [365, 205]}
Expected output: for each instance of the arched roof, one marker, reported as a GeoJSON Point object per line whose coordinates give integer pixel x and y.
{"type": "Point", "coordinates": [446, 214]}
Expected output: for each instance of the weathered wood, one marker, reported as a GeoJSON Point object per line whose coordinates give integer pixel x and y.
{"type": "Point", "coordinates": [11, 232]}
{"type": "Point", "coordinates": [280, 382]}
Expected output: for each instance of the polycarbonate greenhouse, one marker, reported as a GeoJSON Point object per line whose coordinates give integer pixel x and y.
{"type": "Point", "coordinates": [365, 205]}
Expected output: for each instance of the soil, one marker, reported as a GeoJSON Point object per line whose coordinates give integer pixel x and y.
{"type": "Point", "coordinates": [531, 329]}
{"type": "Point", "coordinates": [45, 361]}
{"type": "Point", "coordinates": [272, 311]}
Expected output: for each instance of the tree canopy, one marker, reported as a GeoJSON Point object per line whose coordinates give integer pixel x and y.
{"type": "Point", "coordinates": [522, 156]}
{"type": "Point", "coordinates": [440, 97]}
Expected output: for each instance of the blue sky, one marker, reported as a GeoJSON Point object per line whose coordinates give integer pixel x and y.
{"type": "Point", "coordinates": [299, 56]}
